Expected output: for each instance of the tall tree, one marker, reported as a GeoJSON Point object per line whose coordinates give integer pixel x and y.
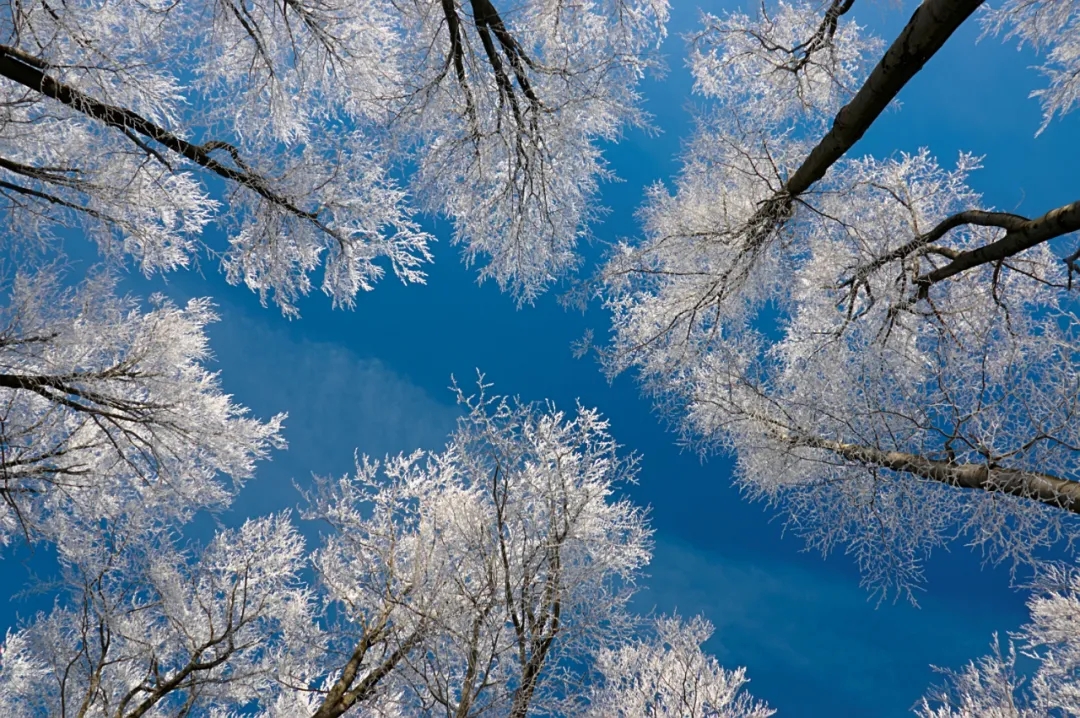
{"type": "Point", "coordinates": [288, 122]}
{"type": "Point", "coordinates": [152, 631]}
{"type": "Point", "coordinates": [107, 408]}
{"type": "Point", "coordinates": [880, 349]}
{"type": "Point", "coordinates": [484, 572]}
{"type": "Point", "coordinates": [491, 578]}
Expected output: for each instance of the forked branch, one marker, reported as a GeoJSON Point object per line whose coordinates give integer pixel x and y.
{"type": "Point", "coordinates": [932, 24]}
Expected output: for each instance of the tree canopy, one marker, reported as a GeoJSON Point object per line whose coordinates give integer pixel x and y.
{"type": "Point", "coordinates": [290, 124]}
{"type": "Point", "coordinates": [491, 578]}
{"type": "Point", "coordinates": [888, 357]}
{"type": "Point", "coordinates": [885, 354]}
{"type": "Point", "coordinates": [108, 408]}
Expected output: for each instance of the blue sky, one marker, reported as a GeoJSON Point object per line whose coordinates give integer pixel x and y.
{"type": "Point", "coordinates": [375, 380]}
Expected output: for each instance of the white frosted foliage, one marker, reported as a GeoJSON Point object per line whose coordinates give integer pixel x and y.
{"type": "Point", "coordinates": [108, 408]}
{"type": "Point", "coordinates": [993, 687]}
{"type": "Point", "coordinates": [149, 126]}
{"type": "Point", "coordinates": [866, 343]}
{"type": "Point", "coordinates": [151, 630]}
{"type": "Point", "coordinates": [1052, 27]}
{"type": "Point", "coordinates": [667, 675]}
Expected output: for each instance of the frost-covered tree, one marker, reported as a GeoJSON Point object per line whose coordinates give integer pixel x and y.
{"type": "Point", "coordinates": [488, 579]}
{"type": "Point", "coordinates": [882, 351]}
{"type": "Point", "coordinates": [107, 408]}
{"type": "Point", "coordinates": [289, 122]}
{"type": "Point", "coordinates": [992, 687]}
{"type": "Point", "coordinates": [470, 582]}
{"type": "Point", "coordinates": [667, 675]}
{"type": "Point", "coordinates": [151, 630]}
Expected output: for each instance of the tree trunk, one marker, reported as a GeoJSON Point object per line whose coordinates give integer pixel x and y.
{"type": "Point", "coordinates": [933, 22]}
{"type": "Point", "coordinates": [1045, 488]}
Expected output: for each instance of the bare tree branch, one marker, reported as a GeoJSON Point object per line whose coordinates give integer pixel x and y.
{"type": "Point", "coordinates": [1019, 237]}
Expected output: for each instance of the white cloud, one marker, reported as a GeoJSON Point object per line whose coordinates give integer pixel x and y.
{"type": "Point", "coordinates": [337, 402]}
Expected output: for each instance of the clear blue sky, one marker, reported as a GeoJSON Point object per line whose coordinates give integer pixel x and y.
{"type": "Point", "coordinates": [375, 379]}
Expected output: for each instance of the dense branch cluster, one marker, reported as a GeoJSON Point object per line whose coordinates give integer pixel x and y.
{"type": "Point", "coordinates": [287, 123]}
{"type": "Point", "coordinates": [668, 676]}
{"type": "Point", "coordinates": [491, 578]}
{"type": "Point", "coordinates": [106, 408]}
{"type": "Point", "coordinates": [864, 333]}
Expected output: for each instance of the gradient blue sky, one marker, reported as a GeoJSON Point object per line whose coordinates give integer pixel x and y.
{"type": "Point", "coordinates": [375, 379]}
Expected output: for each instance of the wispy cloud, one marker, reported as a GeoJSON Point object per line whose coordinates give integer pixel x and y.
{"type": "Point", "coordinates": [337, 402]}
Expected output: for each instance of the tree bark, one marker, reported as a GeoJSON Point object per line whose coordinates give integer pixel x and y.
{"type": "Point", "coordinates": [1026, 235]}
{"type": "Point", "coordinates": [343, 695]}
{"type": "Point", "coordinates": [1045, 488]}
{"type": "Point", "coordinates": [932, 24]}
{"type": "Point", "coordinates": [32, 72]}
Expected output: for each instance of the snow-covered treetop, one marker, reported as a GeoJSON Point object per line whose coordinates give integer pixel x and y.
{"type": "Point", "coordinates": [290, 123]}
{"type": "Point", "coordinates": [992, 687]}
{"type": "Point", "coordinates": [108, 409]}
{"type": "Point", "coordinates": [493, 563]}
{"type": "Point", "coordinates": [490, 578]}
{"type": "Point", "coordinates": [865, 334]}
{"type": "Point", "coordinates": [666, 675]}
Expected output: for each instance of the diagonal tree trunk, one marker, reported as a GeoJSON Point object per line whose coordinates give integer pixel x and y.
{"type": "Point", "coordinates": [1045, 488]}
{"type": "Point", "coordinates": [932, 24]}
{"type": "Point", "coordinates": [33, 73]}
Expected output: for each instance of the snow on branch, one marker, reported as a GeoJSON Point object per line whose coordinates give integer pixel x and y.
{"type": "Point", "coordinates": [864, 334]}
{"type": "Point", "coordinates": [105, 406]}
